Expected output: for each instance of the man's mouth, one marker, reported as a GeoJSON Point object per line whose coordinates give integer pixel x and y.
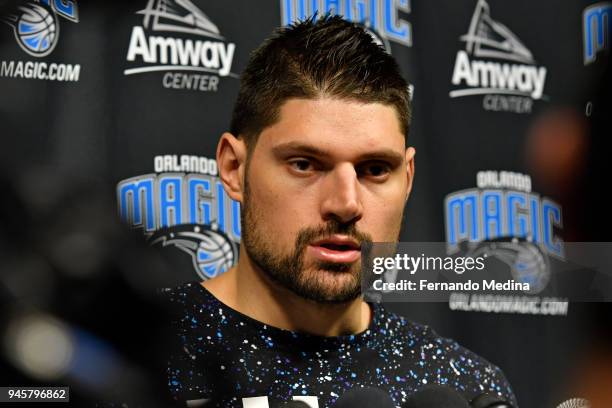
{"type": "Point", "coordinates": [337, 248]}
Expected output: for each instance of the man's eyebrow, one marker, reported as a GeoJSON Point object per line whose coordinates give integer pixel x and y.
{"type": "Point", "coordinates": [299, 148]}
{"type": "Point", "coordinates": [302, 148]}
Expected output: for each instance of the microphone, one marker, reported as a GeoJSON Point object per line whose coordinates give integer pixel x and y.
{"type": "Point", "coordinates": [436, 396]}
{"type": "Point", "coordinates": [489, 401]}
{"type": "Point", "coordinates": [431, 396]}
{"type": "Point", "coordinates": [575, 403]}
{"type": "Point", "coordinates": [364, 397]}
{"type": "Point", "coordinates": [295, 404]}
{"type": "Point", "coordinates": [440, 396]}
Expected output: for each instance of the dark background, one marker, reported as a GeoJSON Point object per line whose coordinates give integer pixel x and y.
{"type": "Point", "coordinates": [66, 146]}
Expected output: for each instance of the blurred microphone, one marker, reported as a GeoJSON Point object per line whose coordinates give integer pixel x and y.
{"type": "Point", "coordinates": [440, 396]}
{"type": "Point", "coordinates": [436, 396]}
{"type": "Point", "coordinates": [489, 401]}
{"type": "Point", "coordinates": [575, 403]}
{"type": "Point", "coordinates": [364, 397]}
{"type": "Point", "coordinates": [295, 404]}
{"type": "Point", "coordinates": [431, 396]}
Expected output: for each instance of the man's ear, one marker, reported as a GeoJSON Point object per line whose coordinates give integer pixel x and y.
{"type": "Point", "coordinates": [410, 153]}
{"type": "Point", "coordinates": [231, 160]}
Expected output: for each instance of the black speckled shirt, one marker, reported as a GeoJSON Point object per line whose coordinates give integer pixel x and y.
{"type": "Point", "coordinates": [228, 358]}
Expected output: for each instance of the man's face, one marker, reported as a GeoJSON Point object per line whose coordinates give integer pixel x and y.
{"type": "Point", "coordinates": [329, 175]}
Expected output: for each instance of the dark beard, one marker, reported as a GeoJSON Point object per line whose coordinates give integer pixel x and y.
{"type": "Point", "coordinates": [288, 271]}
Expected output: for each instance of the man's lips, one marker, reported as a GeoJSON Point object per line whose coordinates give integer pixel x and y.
{"type": "Point", "coordinates": [340, 249]}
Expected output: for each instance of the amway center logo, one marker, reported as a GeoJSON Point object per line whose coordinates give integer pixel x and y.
{"type": "Point", "coordinates": [510, 87]}
{"type": "Point", "coordinates": [36, 26]}
{"type": "Point", "coordinates": [207, 53]}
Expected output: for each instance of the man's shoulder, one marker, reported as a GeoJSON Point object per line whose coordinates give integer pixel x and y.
{"type": "Point", "coordinates": [186, 304]}
{"type": "Point", "coordinates": [453, 364]}
{"type": "Point", "coordinates": [422, 336]}
{"type": "Point", "coordinates": [407, 332]}
{"type": "Point", "coordinates": [183, 295]}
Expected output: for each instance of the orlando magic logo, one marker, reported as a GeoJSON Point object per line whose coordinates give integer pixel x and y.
{"type": "Point", "coordinates": [382, 16]}
{"type": "Point", "coordinates": [211, 251]}
{"type": "Point", "coordinates": [504, 219]}
{"type": "Point", "coordinates": [184, 206]}
{"type": "Point", "coordinates": [36, 24]}
{"type": "Point", "coordinates": [526, 260]}
{"type": "Point", "coordinates": [503, 206]}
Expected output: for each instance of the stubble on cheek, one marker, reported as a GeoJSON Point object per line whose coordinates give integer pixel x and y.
{"type": "Point", "coordinates": [291, 268]}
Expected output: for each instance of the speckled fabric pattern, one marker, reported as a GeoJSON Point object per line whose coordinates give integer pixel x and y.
{"type": "Point", "coordinates": [224, 356]}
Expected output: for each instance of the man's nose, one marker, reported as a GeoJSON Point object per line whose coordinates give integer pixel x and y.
{"type": "Point", "coordinates": [341, 199]}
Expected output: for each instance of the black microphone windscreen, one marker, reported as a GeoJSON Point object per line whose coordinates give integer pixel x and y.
{"type": "Point", "coordinates": [436, 396]}
{"type": "Point", "coordinates": [295, 404]}
{"type": "Point", "coordinates": [364, 397]}
{"type": "Point", "coordinates": [489, 401]}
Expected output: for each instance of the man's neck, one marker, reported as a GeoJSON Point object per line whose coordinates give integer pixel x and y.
{"type": "Point", "coordinates": [248, 291]}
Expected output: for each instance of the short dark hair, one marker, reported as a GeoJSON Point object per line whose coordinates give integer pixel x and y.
{"type": "Point", "coordinates": [327, 56]}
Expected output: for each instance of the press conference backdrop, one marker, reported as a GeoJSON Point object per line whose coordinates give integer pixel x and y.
{"type": "Point", "coordinates": [130, 98]}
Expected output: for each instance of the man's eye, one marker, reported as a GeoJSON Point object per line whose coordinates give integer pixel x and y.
{"type": "Point", "coordinates": [375, 170]}
{"type": "Point", "coordinates": [301, 165]}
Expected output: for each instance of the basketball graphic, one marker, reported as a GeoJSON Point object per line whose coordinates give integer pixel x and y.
{"type": "Point", "coordinates": [527, 262]}
{"type": "Point", "coordinates": [215, 254]}
{"type": "Point", "coordinates": [37, 30]}
{"type": "Point", "coordinates": [212, 252]}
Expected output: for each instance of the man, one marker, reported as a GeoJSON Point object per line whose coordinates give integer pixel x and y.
{"type": "Point", "coordinates": [317, 158]}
